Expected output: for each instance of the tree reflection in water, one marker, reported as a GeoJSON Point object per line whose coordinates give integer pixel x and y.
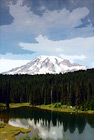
{"type": "Point", "coordinates": [48, 123]}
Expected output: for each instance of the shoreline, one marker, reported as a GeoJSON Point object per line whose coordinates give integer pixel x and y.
{"type": "Point", "coordinates": [9, 132]}
{"type": "Point", "coordinates": [64, 108]}
{"type": "Point", "coordinates": [66, 111]}
{"type": "Point", "coordinates": [47, 107]}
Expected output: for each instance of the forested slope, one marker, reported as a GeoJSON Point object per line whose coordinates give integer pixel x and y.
{"type": "Point", "coordinates": [74, 88]}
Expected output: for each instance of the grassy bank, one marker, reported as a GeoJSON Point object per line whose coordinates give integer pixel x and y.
{"type": "Point", "coordinates": [9, 132]}
{"type": "Point", "coordinates": [2, 106]}
{"type": "Point", "coordinates": [15, 105]}
{"type": "Point", "coordinates": [12, 105]}
{"type": "Point", "coordinates": [63, 108]}
{"type": "Point", "coordinates": [53, 107]}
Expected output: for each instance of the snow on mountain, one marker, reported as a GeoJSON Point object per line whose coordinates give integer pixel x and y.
{"type": "Point", "coordinates": [47, 64]}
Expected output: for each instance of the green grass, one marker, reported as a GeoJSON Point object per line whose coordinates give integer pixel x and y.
{"type": "Point", "coordinates": [8, 132]}
{"type": "Point", "coordinates": [14, 105]}
{"type": "Point", "coordinates": [2, 125]}
{"type": "Point", "coordinates": [58, 107]}
{"type": "Point", "coordinates": [63, 108]}
{"type": "Point", "coordinates": [35, 137]}
{"type": "Point", "coordinates": [53, 107]}
{"type": "Point", "coordinates": [2, 106]}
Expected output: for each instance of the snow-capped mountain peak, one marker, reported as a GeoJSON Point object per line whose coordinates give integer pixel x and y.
{"type": "Point", "coordinates": [46, 64]}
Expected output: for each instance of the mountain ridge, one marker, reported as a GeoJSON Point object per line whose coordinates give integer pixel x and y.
{"type": "Point", "coordinates": [46, 64]}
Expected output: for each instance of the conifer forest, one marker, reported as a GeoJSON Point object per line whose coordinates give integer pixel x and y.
{"type": "Point", "coordinates": [73, 88]}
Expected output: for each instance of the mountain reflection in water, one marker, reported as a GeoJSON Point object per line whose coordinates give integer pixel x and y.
{"type": "Point", "coordinates": [40, 127]}
{"type": "Point", "coordinates": [52, 124]}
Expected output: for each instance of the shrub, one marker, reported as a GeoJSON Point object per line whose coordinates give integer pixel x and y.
{"type": "Point", "coordinates": [57, 105]}
{"type": "Point", "coordinates": [2, 125]}
{"type": "Point", "coordinates": [25, 137]}
{"type": "Point", "coordinates": [36, 137]}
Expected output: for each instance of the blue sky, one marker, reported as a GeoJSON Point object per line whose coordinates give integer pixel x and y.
{"type": "Point", "coordinates": [29, 28]}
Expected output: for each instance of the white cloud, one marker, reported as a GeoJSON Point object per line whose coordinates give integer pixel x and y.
{"type": "Point", "coordinates": [73, 58]}
{"type": "Point", "coordinates": [25, 21]}
{"type": "Point", "coordinates": [81, 49]}
{"type": "Point", "coordinates": [12, 56]}
{"type": "Point", "coordinates": [7, 64]}
{"type": "Point", "coordinates": [9, 60]}
{"type": "Point", "coordinates": [28, 22]}
{"type": "Point", "coordinates": [78, 50]}
{"type": "Point", "coordinates": [76, 46]}
{"type": "Point", "coordinates": [43, 45]}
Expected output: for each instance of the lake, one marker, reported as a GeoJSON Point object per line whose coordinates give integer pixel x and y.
{"type": "Point", "coordinates": [51, 124]}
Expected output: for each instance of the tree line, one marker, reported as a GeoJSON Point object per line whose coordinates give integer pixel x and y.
{"type": "Point", "coordinates": [73, 88]}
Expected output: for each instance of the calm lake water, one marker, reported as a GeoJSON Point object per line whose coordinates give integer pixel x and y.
{"type": "Point", "coordinates": [51, 124]}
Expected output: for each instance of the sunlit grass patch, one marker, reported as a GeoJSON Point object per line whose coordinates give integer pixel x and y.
{"type": "Point", "coordinates": [58, 107]}
{"type": "Point", "coordinates": [2, 125]}
{"type": "Point", "coordinates": [14, 105]}
{"type": "Point", "coordinates": [8, 132]}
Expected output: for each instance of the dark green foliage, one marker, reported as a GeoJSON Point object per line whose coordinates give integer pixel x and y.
{"type": "Point", "coordinates": [25, 137]}
{"type": "Point", "coordinates": [74, 89]}
{"type": "Point", "coordinates": [2, 125]}
{"type": "Point", "coordinates": [35, 137]}
{"type": "Point", "coordinates": [57, 105]}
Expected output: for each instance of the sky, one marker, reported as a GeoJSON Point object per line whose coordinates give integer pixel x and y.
{"type": "Point", "coordinates": [30, 28]}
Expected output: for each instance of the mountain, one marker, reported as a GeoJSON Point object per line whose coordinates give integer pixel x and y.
{"type": "Point", "coordinates": [46, 64]}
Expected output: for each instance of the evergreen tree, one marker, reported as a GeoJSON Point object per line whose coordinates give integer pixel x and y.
{"type": "Point", "coordinates": [76, 89]}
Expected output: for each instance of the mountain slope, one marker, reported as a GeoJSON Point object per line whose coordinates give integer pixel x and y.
{"type": "Point", "coordinates": [46, 64]}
